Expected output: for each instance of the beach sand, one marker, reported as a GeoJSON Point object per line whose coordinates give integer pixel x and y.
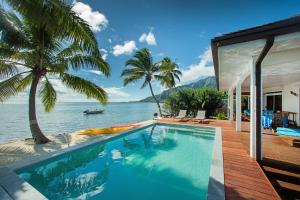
{"type": "Point", "coordinates": [24, 151]}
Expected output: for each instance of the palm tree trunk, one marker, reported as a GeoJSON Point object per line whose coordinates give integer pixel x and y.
{"type": "Point", "coordinates": [36, 132]}
{"type": "Point", "coordinates": [157, 102]}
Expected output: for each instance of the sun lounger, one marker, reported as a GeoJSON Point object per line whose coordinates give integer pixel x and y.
{"type": "Point", "coordinates": [200, 116]}
{"type": "Point", "coordinates": [181, 115]}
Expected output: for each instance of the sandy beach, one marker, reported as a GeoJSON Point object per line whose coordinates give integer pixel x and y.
{"type": "Point", "coordinates": [20, 151]}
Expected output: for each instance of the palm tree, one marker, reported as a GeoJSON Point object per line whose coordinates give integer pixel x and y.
{"type": "Point", "coordinates": [142, 67]}
{"type": "Point", "coordinates": [47, 41]}
{"type": "Point", "coordinates": [169, 72]}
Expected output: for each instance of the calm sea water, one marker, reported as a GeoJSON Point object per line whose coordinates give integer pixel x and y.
{"type": "Point", "coordinates": [158, 162]}
{"type": "Point", "coordinates": [69, 117]}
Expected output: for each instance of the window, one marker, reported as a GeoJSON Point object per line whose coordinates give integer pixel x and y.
{"type": "Point", "coordinates": [274, 102]}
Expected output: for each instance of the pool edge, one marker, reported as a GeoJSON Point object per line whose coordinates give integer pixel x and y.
{"type": "Point", "coordinates": [216, 177]}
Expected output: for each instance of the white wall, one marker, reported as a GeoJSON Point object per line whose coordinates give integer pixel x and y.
{"type": "Point", "coordinates": [289, 101]}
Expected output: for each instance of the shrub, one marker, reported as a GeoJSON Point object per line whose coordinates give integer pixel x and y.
{"type": "Point", "coordinates": [221, 116]}
{"type": "Point", "coordinates": [208, 99]}
{"type": "Point", "coordinates": [192, 100]}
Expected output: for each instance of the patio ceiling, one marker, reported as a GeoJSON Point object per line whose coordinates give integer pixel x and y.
{"type": "Point", "coordinates": [280, 67]}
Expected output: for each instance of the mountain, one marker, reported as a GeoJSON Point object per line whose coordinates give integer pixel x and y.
{"type": "Point", "coordinates": [205, 82]}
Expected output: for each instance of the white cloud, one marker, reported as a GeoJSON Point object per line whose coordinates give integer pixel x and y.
{"type": "Point", "coordinates": [104, 53]}
{"type": "Point", "coordinates": [116, 92]}
{"type": "Point", "coordinates": [195, 71]}
{"type": "Point", "coordinates": [109, 40]}
{"type": "Point", "coordinates": [161, 54]}
{"type": "Point", "coordinates": [95, 19]}
{"type": "Point", "coordinates": [148, 38]}
{"type": "Point", "coordinates": [127, 48]}
{"type": "Point", "coordinates": [97, 72]}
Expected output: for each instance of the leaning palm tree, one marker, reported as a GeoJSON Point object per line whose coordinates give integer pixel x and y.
{"type": "Point", "coordinates": [46, 40]}
{"type": "Point", "coordinates": [142, 67]}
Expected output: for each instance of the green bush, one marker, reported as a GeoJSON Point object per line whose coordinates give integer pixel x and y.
{"type": "Point", "coordinates": [192, 100]}
{"type": "Point", "coordinates": [221, 116]}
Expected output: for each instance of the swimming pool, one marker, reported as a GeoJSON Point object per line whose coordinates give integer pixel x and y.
{"type": "Point", "coordinates": [160, 161]}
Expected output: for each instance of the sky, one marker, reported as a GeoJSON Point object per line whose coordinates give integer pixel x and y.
{"type": "Point", "coordinates": [179, 29]}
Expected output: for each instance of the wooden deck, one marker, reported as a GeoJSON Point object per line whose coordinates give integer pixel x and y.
{"type": "Point", "coordinates": [281, 162]}
{"type": "Point", "coordinates": [244, 178]}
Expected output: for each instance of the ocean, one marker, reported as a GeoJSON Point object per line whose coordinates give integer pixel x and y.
{"type": "Point", "coordinates": [69, 117]}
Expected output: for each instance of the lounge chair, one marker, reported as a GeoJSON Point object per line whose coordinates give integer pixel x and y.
{"type": "Point", "coordinates": [181, 115]}
{"type": "Point", "coordinates": [200, 116]}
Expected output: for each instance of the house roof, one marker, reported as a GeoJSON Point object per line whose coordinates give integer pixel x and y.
{"type": "Point", "coordinates": [277, 28]}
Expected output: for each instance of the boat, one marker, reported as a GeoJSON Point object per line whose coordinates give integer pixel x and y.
{"type": "Point", "coordinates": [88, 112]}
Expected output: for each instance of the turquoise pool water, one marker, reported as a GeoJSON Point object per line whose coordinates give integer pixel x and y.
{"type": "Point", "coordinates": [157, 162]}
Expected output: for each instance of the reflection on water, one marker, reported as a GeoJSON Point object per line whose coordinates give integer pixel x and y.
{"type": "Point", "coordinates": [67, 177]}
{"type": "Point", "coordinates": [159, 162]}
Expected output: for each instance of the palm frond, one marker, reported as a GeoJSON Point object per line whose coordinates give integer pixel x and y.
{"type": "Point", "coordinates": [81, 61]}
{"type": "Point", "coordinates": [24, 83]}
{"type": "Point", "coordinates": [45, 13]}
{"type": "Point", "coordinates": [11, 86]}
{"type": "Point", "coordinates": [133, 71]}
{"type": "Point", "coordinates": [6, 51]}
{"type": "Point", "coordinates": [144, 57]}
{"type": "Point", "coordinates": [131, 79]}
{"type": "Point", "coordinates": [164, 80]}
{"type": "Point", "coordinates": [10, 28]}
{"type": "Point", "coordinates": [178, 72]}
{"type": "Point", "coordinates": [144, 84]}
{"type": "Point", "coordinates": [71, 50]}
{"type": "Point", "coordinates": [168, 72]}
{"type": "Point", "coordinates": [177, 76]}
{"type": "Point", "coordinates": [57, 68]}
{"type": "Point", "coordinates": [86, 87]}
{"type": "Point", "coordinates": [7, 70]}
{"type": "Point", "coordinates": [48, 95]}
{"type": "Point", "coordinates": [135, 63]}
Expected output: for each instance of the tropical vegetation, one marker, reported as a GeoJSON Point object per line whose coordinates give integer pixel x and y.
{"type": "Point", "coordinates": [221, 116]}
{"type": "Point", "coordinates": [142, 67]}
{"type": "Point", "coordinates": [192, 100]}
{"type": "Point", "coordinates": [42, 40]}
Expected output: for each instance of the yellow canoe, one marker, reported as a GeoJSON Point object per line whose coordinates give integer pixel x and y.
{"type": "Point", "coordinates": [110, 130]}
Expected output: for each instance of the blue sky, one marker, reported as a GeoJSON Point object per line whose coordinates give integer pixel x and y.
{"type": "Point", "coordinates": [181, 30]}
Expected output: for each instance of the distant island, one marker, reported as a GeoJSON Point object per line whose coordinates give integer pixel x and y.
{"type": "Point", "coordinates": [205, 82]}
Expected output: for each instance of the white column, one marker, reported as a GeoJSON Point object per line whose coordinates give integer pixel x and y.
{"type": "Point", "coordinates": [238, 107]}
{"type": "Point", "coordinates": [252, 113]}
{"type": "Point", "coordinates": [228, 104]}
{"type": "Point", "coordinates": [231, 104]}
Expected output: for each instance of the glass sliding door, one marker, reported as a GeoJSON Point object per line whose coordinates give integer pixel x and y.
{"type": "Point", "coordinates": [274, 102]}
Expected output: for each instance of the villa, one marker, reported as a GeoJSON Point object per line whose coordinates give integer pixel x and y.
{"type": "Point", "coordinates": [263, 63]}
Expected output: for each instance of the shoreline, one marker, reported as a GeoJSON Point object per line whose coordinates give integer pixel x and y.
{"type": "Point", "coordinates": [18, 151]}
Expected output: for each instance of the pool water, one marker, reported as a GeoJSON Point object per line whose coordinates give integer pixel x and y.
{"type": "Point", "coordinates": [157, 162]}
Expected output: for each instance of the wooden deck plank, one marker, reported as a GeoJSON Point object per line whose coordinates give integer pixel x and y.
{"type": "Point", "coordinates": [243, 177]}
